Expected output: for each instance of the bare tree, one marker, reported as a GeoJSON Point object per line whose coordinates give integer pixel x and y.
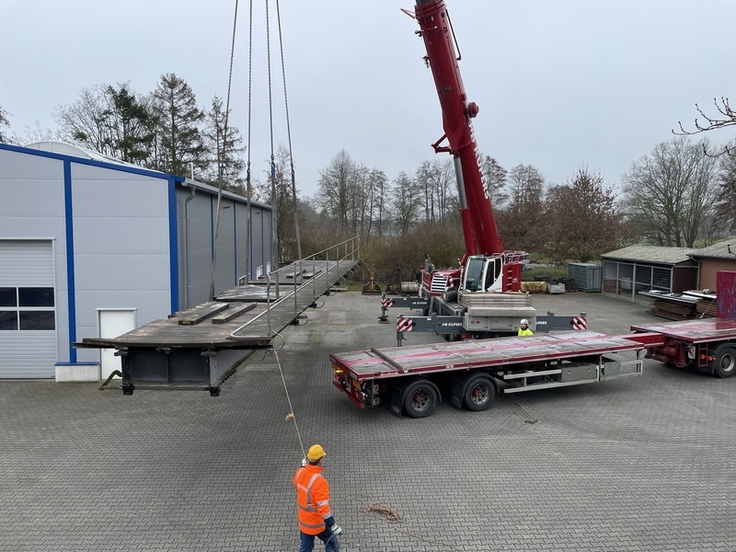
{"type": "Point", "coordinates": [405, 203]}
{"type": "Point", "coordinates": [85, 122]}
{"type": "Point", "coordinates": [670, 193]}
{"type": "Point", "coordinates": [521, 223]}
{"type": "Point", "coordinates": [427, 181]}
{"type": "Point", "coordinates": [34, 134]}
{"type": "Point", "coordinates": [583, 219]}
{"type": "Point", "coordinates": [337, 187]}
{"type": "Point", "coordinates": [727, 192]}
{"type": "Point", "coordinates": [4, 122]}
{"type": "Point", "coordinates": [113, 121]}
{"type": "Point", "coordinates": [725, 117]}
{"type": "Point", "coordinates": [369, 201]}
{"type": "Point", "coordinates": [436, 189]}
{"type": "Point", "coordinates": [283, 203]}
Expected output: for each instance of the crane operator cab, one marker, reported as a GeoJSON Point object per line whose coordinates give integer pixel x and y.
{"type": "Point", "coordinates": [483, 274]}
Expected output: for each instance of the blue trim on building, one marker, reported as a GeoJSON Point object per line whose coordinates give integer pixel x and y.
{"type": "Point", "coordinates": [173, 246]}
{"type": "Point", "coordinates": [70, 280]}
{"type": "Point", "coordinates": [235, 242]}
{"type": "Point", "coordinates": [77, 364]}
{"type": "Point", "coordinates": [91, 162]}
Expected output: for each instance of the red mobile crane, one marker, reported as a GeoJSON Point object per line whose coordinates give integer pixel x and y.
{"type": "Point", "coordinates": [480, 298]}
{"type": "Point", "coordinates": [500, 269]}
{"type": "Point", "coordinates": [410, 377]}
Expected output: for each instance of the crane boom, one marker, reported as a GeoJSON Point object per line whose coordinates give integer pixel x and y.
{"type": "Point", "coordinates": [479, 225]}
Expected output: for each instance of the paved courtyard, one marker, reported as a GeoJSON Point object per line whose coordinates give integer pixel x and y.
{"type": "Point", "coordinates": [633, 464]}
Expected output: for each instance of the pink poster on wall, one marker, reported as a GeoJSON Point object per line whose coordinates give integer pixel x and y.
{"type": "Point", "coordinates": [726, 289]}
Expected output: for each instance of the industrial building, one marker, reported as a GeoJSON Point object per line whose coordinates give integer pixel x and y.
{"type": "Point", "coordinates": [94, 247]}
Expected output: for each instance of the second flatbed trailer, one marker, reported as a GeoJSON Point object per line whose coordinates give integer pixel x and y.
{"type": "Point", "coordinates": [475, 371]}
{"type": "Point", "coordinates": [707, 345]}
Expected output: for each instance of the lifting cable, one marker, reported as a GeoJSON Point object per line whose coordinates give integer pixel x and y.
{"type": "Point", "coordinates": [274, 202]}
{"type": "Point", "coordinates": [220, 161]}
{"type": "Point", "coordinates": [288, 134]}
{"type": "Point", "coordinates": [374, 509]}
{"type": "Point", "coordinates": [247, 145]}
{"type": "Point", "coordinates": [290, 415]}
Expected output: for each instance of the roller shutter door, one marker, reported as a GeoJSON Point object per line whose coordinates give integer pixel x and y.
{"type": "Point", "coordinates": [28, 342]}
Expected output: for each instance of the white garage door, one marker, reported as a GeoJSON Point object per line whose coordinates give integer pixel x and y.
{"type": "Point", "coordinates": [27, 309]}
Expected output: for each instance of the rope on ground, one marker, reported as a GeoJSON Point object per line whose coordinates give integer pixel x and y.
{"type": "Point", "coordinates": [391, 516]}
{"type": "Point", "coordinates": [381, 511]}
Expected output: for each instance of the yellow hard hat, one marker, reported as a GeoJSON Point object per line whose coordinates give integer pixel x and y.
{"type": "Point", "coordinates": [315, 453]}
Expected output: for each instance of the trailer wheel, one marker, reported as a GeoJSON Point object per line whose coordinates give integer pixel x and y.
{"type": "Point", "coordinates": [420, 399]}
{"type": "Point", "coordinates": [725, 362]}
{"type": "Point", "coordinates": [479, 394]}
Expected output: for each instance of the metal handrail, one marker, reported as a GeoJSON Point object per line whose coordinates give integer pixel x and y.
{"type": "Point", "coordinates": [347, 250]}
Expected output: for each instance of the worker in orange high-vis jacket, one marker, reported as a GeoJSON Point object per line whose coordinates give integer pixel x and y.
{"type": "Point", "coordinates": [313, 501]}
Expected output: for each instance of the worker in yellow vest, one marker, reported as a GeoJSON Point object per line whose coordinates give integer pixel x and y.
{"type": "Point", "coordinates": [524, 327]}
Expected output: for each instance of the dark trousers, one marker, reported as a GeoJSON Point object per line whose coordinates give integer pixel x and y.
{"type": "Point", "coordinates": [330, 540]}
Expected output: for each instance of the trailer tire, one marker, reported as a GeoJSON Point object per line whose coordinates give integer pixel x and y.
{"type": "Point", "coordinates": [725, 361]}
{"type": "Point", "coordinates": [479, 394]}
{"type": "Point", "coordinates": [420, 398]}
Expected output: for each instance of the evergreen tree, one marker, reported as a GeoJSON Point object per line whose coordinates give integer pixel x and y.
{"type": "Point", "coordinates": [495, 180]}
{"type": "Point", "coordinates": [178, 142]}
{"type": "Point", "coordinates": [132, 125]}
{"type": "Point", "coordinates": [113, 121]}
{"type": "Point", "coordinates": [224, 149]}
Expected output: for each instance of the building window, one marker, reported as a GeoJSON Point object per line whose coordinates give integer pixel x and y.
{"type": "Point", "coordinates": [27, 308]}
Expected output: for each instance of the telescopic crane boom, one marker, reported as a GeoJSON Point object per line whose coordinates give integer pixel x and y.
{"type": "Point", "coordinates": [486, 265]}
{"type": "Point", "coordinates": [479, 225]}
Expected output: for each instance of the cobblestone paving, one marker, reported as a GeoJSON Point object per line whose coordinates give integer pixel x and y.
{"type": "Point", "coordinates": [633, 464]}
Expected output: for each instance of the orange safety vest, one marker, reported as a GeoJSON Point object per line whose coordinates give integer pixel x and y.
{"type": "Point", "coordinates": [313, 499]}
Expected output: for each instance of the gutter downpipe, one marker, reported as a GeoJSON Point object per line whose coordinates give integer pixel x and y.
{"type": "Point", "coordinates": [186, 241]}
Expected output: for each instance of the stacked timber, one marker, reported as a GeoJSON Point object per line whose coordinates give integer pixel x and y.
{"type": "Point", "coordinates": [706, 305]}
{"type": "Point", "coordinates": [679, 306]}
{"type": "Point", "coordinates": [673, 311]}
{"type": "Point", "coordinates": [707, 308]}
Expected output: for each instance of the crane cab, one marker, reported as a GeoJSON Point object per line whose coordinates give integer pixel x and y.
{"type": "Point", "coordinates": [492, 273]}
{"type": "Point", "coordinates": [483, 274]}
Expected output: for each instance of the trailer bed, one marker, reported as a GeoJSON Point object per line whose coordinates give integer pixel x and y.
{"type": "Point", "coordinates": [481, 353]}
{"type": "Point", "coordinates": [692, 331]}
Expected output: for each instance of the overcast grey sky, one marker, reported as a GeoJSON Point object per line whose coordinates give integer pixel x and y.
{"type": "Point", "coordinates": [560, 84]}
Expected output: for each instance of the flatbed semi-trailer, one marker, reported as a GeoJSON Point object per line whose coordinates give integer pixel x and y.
{"type": "Point", "coordinates": [706, 344]}
{"type": "Point", "coordinates": [473, 372]}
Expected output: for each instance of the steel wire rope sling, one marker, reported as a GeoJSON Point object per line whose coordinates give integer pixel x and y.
{"type": "Point", "coordinates": [221, 151]}
{"type": "Point", "coordinates": [291, 415]}
{"type": "Point", "coordinates": [288, 134]}
{"type": "Point", "coordinates": [274, 199]}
